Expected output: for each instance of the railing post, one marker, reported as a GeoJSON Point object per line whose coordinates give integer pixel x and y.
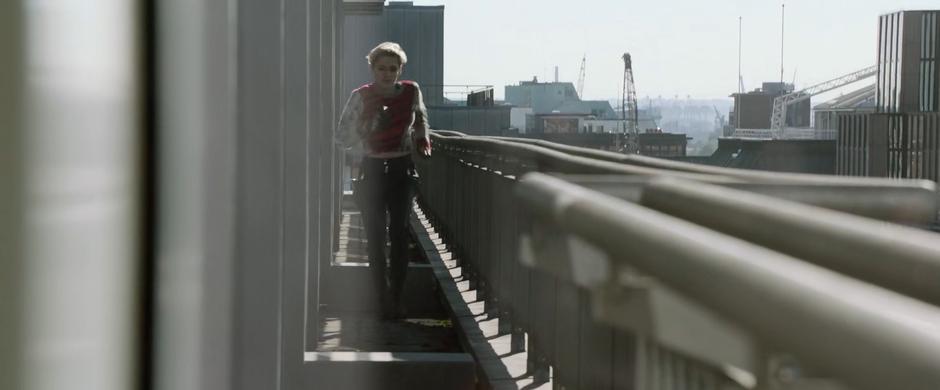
{"type": "Point", "coordinates": [536, 362]}
{"type": "Point", "coordinates": [519, 315]}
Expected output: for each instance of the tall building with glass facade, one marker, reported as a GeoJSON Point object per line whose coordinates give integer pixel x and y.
{"type": "Point", "coordinates": [908, 73]}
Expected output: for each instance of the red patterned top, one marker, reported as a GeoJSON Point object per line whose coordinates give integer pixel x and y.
{"type": "Point", "coordinates": [384, 126]}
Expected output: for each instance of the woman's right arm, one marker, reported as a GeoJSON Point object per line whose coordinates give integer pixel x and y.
{"type": "Point", "coordinates": [346, 135]}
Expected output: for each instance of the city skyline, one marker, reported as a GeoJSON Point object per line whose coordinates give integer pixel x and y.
{"type": "Point", "coordinates": [680, 47]}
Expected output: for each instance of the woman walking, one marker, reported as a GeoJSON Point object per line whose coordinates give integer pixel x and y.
{"type": "Point", "coordinates": [386, 122]}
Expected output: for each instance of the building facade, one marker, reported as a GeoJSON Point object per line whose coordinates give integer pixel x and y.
{"type": "Point", "coordinates": [908, 74]}
{"type": "Point", "coordinates": [542, 97]}
{"type": "Point", "coordinates": [901, 145]}
{"type": "Point", "coordinates": [473, 120]}
{"type": "Point", "coordinates": [798, 156]}
{"type": "Point", "coordinates": [418, 29]}
{"type": "Point", "coordinates": [902, 138]}
{"type": "Point", "coordinates": [752, 110]}
{"type": "Point", "coordinates": [663, 144]}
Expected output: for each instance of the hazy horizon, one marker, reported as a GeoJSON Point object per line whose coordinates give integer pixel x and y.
{"type": "Point", "coordinates": [679, 47]}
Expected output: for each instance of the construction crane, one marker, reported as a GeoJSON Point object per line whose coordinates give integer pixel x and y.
{"type": "Point", "coordinates": [719, 120]}
{"type": "Point", "coordinates": [628, 104]}
{"type": "Point", "coordinates": [779, 115]}
{"type": "Point", "coordinates": [581, 78]}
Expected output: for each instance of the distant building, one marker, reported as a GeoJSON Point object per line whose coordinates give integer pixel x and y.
{"type": "Point", "coordinates": [602, 126]}
{"type": "Point", "coordinates": [554, 123]}
{"type": "Point", "coordinates": [902, 138]}
{"type": "Point", "coordinates": [418, 29]}
{"type": "Point", "coordinates": [541, 97]}
{"type": "Point", "coordinates": [908, 73]}
{"type": "Point", "coordinates": [481, 98]}
{"type": "Point", "coordinates": [556, 97]}
{"type": "Point", "coordinates": [800, 156]}
{"type": "Point", "coordinates": [599, 109]}
{"type": "Point", "coordinates": [646, 122]}
{"type": "Point", "coordinates": [521, 120]}
{"type": "Point", "coordinates": [900, 145]}
{"type": "Point", "coordinates": [601, 141]}
{"type": "Point", "coordinates": [655, 144]}
{"type": "Point", "coordinates": [473, 120]}
{"type": "Point", "coordinates": [752, 110]}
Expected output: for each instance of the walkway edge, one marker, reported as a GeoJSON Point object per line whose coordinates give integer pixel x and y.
{"type": "Point", "coordinates": [492, 369]}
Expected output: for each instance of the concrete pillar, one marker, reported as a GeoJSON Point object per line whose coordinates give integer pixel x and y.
{"type": "Point", "coordinates": [70, 104]}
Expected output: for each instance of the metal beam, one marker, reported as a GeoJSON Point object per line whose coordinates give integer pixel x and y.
{"type": "Point", "coordinates": [779, 114]}
{"type": "Point", "coordinates": [819, 315]}
{"type": "Point", "coordinates": [899, 258]}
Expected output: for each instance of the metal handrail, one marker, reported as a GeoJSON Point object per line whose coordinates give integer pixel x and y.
{"type": "Point", "coordinates": [911, 205]}
{"type": "Point", "coordinates": [900, 258]}
{"type": "Point", "coordinates": [556, 161]}
{"type": "Point", "coordinates": [552, 157]}
{"type": "Point", "coordinates": [467, 196]}
{"type": "Point", "coordinates": [871, 337]}
{"type": "Point", "coordinates": [745, 174]}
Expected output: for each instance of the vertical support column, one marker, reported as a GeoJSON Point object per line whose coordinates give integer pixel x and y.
{"type": "Point", "coordinates": [259, 206]}
{"type": "Point", "coordinates": [877, 131]}
{"type": "Point", "coordinates": [72, 78]}
{"type": "Point", "coordinates": [196, 156]}
{"type": "Point", "coordinates": [596, 349]}
{"type": "Point", "coordinates": [537, 362]}
{"type": "Point", "coordinates": [521, 306]}
{"type": "Point", "coordinates": [541, 346]}
{"type": "Point", "coordinates": [295, 197]}
{"type": "Point", "coordinates": [316, 123]}
{"type": "Point", "coordinates": [505, 232]}
{"type": "Point", "coordinates": [567, 336]}
{"type": "Point", "coordinates": [12, 194]}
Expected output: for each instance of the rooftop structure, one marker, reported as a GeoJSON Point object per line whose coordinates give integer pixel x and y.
{"type": "Point", "coordinates": [542, 97]}
{"type": "Point", "coordinates": [752, 110]}
{"type": "Point", "coordinates": [826, 114]}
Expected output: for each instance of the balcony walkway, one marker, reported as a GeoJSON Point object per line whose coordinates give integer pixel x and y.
{"type": "Point", "coordinates": [354, 324]}
{"type": "Point", "coordinates": [442, 318]}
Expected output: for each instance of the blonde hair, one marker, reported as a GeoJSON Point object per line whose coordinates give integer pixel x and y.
{"type": "Point", "coordinates": [390, 49]}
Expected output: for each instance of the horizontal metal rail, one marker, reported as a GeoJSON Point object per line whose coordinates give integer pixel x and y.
{"type": "Point", "coordinates": [543, 159]}
{"type": "Point", "coordinates": [902, 201]}
{"type": "Point", "coordinates": [868, 336]}
{"type": "Point", "coordinates": [906, 204]}
{"type": "Point", "coordinates": [745, 174]}
{"type": "Point", "coordinates": [902, 259]}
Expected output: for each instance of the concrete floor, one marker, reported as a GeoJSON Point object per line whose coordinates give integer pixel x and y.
{"type": "Point", "coordinates": [350, 321]}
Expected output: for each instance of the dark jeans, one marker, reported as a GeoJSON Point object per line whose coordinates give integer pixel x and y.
{"type": "Point", "coordinates": [387, 196]}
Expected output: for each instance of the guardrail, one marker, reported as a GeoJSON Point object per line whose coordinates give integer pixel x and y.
{"type": "Point", "coordinates": [627, 272]}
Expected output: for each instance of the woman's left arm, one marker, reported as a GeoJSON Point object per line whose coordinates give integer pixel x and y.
{"type": "Point", "coordinates": [422, 135]}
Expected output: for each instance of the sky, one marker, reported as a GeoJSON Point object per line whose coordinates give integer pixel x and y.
{"type": "Point", "coordinates": [679, 47]}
